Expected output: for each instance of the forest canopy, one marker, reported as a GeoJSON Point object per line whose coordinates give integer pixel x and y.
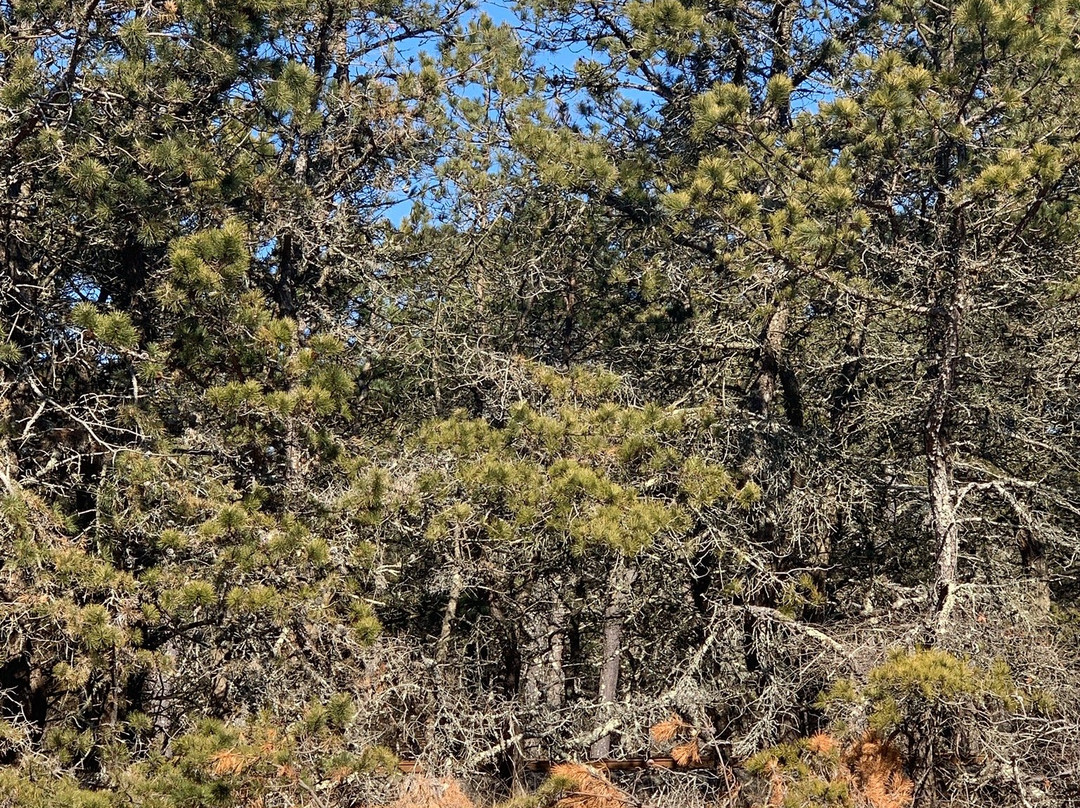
{"type": "Point", "coordinates": [495, 388]}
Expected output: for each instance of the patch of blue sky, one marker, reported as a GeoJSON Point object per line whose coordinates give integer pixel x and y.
{"type": "Point", "coordinates": [427, 188]}
{"type": "Point", "coordinates": [557, 61]}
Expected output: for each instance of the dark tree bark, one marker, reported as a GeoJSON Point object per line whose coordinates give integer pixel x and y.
{"type": "Point", "coordinates": [620, 584]}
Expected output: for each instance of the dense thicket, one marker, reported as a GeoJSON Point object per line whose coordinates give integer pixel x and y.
{"type": "Point", "coordinates": [717, 398]}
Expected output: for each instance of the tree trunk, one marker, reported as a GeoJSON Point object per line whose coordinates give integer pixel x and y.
{"type": "Point", "coordinates": [620, 582]}
{"type": "Point", "coordinates": [844, 395]}
{"type": "Point", "coordinates": [1033, 558]}
{"type": "Point", "coordinates": [781, 21]}
{"type": "Point", "coordinates": [569, 315]}
{"type": "Point", "coordinates": [945, 322]}
{"type": "Point", "coordinates": [774, 372]}
{"type": "Point", "coordinates": [457, 586]}
{"type": "Point", "coordinates": [542, 686]}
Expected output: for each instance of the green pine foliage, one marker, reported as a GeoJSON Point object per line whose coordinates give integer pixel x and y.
{"type": "Point", "coordinates": [484, 385]}
{"type": "Point", "coordinates": [602, 476]}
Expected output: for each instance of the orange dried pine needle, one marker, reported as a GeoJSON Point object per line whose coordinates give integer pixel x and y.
{"type": "Point", "coordinates": [428, 792]}
{"type": "Point", "coordinates": [667, 730]}
{"type": "Point", "coordinates": [228, 761]}
{"type": "Point", "coordinates": [591, 789]}
{"type": "Point", "coordinates": [687, 754]}
{"type": "Point", "coordinates": [822, 744]}
{"type": "Point", "coordinates": [877, 772]}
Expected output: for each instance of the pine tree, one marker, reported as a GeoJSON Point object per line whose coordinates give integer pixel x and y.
{"type": "Point", "coordinates": [710, 361]}
{"type": "Point", "coordinates": [855, 204]}
{"type": "Point", "coordinates": [191, 227]}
